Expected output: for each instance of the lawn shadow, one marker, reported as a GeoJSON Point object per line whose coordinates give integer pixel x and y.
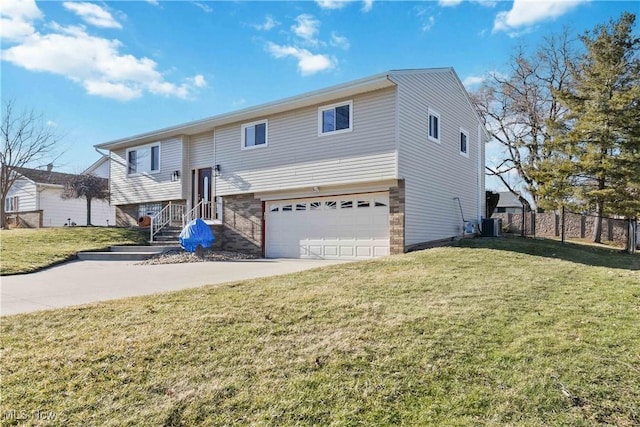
{"type": "Point", "coordinates": [568, 251]}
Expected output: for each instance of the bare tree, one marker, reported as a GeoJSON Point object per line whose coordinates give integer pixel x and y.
{"type": "Point", "coordinates": [520, 108]}
{"type": "Point", "coordinates": [26, 140]}
{"type": "Point", "coordinates": [88, 186]}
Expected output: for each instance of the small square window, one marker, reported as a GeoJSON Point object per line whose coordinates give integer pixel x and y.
{"type": "Point", "coordinates": [335, 118]}
{"type": "Point", "coordinates": [287, 208]}
{"type": "Point", "coordinates": [254, 135]}
{"type": "Point", "coordinates": [330, 204]}
{"type": "Point", "coordinates": [363, 203]}
{"type": "Point", "coordinates": [275, 208]}
{"type": "Point", "coordinates": [314, 206]}
{"type": "Point", "coordinates": [301, 206]}
{"type": "Point", "coordinates": [434, 126]}
{"type": "Point", "coordinates": [346, 204]}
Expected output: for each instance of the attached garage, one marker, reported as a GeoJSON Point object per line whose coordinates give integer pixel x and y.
{"type": "Point", "coordinates": [341, 227]}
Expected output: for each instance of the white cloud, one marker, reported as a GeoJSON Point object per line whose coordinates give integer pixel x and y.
{"type": "Point", "coordinates": [269, 24]}
{"type": "Point", "coordinates": [16, 19]}
{"type": "Point", "coordinates": [308, 63]}
{"type": "Point", "coordinates": [428, 23]}
{"type": "Point", "coordinates": [307, 28]}
{"type": "Point", "coordinates": [21, 9]}
{"type": "Point", "coordinates": [97, 64]}
{"type": "Point", "coordinates": [205, 7]}
{"type": "Point", "coordinates": [92, 14]}
{"type": "Point", "coordinates": [339, 41]}
{"type": "Point", "coordinates": [449, 3]}
{"type": "Point", "coordinates": [427, 20]}
{"type": "Point", "coordinates": [118, 91]}
{"type": "Point", "coordinates": [238, 102]}
{"type": "Point", "coordinates": [198, 80]}
{"type": "Point", "coordinates": [153, 2]}
{"type": "Point", "coordinates": [454, 3]}
{"type": "Point", "coordinates": [472, 81]}
{"type": "Point", "coordinates": [525, 13]}
{"type": "Point", "coordinates": [332, 4]}
{"type": "Point", "coordinates": [367, 5]}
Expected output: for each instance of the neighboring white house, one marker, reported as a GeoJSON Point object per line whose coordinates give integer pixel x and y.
{"type": "Point", "coordinates": [508, 203]}
{"type": "Point", "coordinates": [34, 200]}
{"type": "Point", "coordinates": [366, 168]}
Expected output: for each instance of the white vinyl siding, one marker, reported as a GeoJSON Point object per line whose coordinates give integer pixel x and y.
{"type": "Point", "coordinates": [436, 173]}
{"type": "Point", "coordinates": [298, 157]}
{"type": "Point", "coordinates": [26, 192]}
{"type": "Point", "coordinates": [201, 151]}
{"type": "Point", "coordinates": [141, 188]}
{"type": "Point", "coordinates": [57, 211]}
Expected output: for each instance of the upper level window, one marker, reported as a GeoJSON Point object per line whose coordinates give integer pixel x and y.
{"type": "Point", "coordinates": [254, 134]}
{"type": "Point", "coordinates": [335, 118]}
{"type": "Point", "coordinates": [143, 159]}
{"type": "Point", "coordinates": [464, 142]}
{"type": "Point", "coordinates": [11, 204]}
{"type": "Point", "coordinates": [434, 126]}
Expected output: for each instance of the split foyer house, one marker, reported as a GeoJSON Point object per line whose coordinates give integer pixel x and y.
{"type": "Point", "coordinates": [367, 168]}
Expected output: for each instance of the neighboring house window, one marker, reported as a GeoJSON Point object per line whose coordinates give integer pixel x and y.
{"type": "Point", "coordinates": [464, 142]}
{"type": "Point", "coordinates": [434, 126]}
{"type": "Point", "coordinates": [335, 118]}
{"type": "Point", "coordinates": [11, 204]}
{"type": "Point", "coordinates": [143, 160]}
{"type": "Point", "coordinates": [254, 135]}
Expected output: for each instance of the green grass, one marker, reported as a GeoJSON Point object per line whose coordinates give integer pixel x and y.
{"type": "Point", "coordinates": [489, 333]}
{"type": "Point", "coordinates": [28, 250]}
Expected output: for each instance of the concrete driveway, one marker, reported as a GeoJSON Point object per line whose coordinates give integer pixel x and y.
{"type": "Point", "coordinates": [82, 282]}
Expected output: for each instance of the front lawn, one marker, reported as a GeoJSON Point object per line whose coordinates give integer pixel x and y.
{"type": "Point", "coordinates": [491, 332]}
{"type": "Point", "coordinates": [28, 250]}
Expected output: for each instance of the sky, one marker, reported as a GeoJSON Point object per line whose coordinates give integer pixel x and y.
{"type": "Point", "coordinates": [100, 71]}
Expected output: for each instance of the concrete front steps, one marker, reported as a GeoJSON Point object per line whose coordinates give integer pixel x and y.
{"type": "Point", "coordinates": [127, 253]}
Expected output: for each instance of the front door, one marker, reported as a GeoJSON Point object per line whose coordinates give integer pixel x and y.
{"type": "Point", "coordinates": [202, 193]}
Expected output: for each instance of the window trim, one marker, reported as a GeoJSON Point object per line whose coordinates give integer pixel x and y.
{"type": "Point", "coordinates": [14, 201]}
{"type": "Point", "coordinates": [333, 106]}
{"type": "Point", "coordinates": [434, 113]}
{"type": "Point", "coordinates": [243, 134]}
{"type": "Point", "coordinates": [464, 132]}
{"type": "Point", "coordinates": [141, 147]}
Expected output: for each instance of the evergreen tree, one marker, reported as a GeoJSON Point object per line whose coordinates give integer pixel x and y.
{"type": "Point", "coordinates": [596, 164]}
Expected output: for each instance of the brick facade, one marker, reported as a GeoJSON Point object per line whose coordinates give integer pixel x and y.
{"type": "Point", "coordinates": [241, 228]}
{"type": "Point", "coordinates": [396, 218]}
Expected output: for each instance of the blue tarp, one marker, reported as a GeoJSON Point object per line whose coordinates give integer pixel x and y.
{"type": "Point", "coordinates": [195, 233]}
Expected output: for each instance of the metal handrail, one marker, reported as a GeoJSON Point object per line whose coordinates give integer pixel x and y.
{"type": "Point", "coordinates": [170, 214]}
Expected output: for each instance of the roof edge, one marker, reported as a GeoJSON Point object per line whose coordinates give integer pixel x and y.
{"type": "Point", "coordinates": [363, 85]}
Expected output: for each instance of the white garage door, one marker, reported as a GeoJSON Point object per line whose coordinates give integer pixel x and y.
{"type": "Point", "coordinates": [351, 226]}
